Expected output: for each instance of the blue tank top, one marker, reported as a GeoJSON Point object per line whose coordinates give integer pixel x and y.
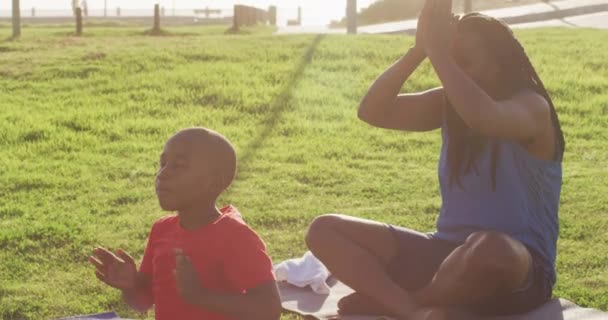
{"type": "Point", "coordinates": [524, 204]}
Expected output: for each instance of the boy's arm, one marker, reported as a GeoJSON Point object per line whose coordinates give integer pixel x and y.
{"type": "Point", "coordinates": [249, 268]}
{"type": "Point", "coordinates": [118, 270]}
{"type": "Point", "coordinates": [140, 297]}
{"type": "Point", "coordinates": [260, 303]}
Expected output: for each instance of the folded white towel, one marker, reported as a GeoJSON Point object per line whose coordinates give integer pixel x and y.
{"type": "Point", "coordinates": [305, 271]}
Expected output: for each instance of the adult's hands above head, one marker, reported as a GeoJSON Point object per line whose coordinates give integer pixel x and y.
{"type": "Point", "coordinates": [421, 27]}
{"type": "Point", "coordinates": [440, 27]}
{"type": "Point", "coordinates": [116, 270]}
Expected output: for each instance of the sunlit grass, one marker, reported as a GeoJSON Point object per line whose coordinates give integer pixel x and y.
{"type": "Point", "coordinates": [83, 120]}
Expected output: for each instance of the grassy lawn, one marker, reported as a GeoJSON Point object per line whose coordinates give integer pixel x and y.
{"type": "Point", "coordinates": [83, 120]}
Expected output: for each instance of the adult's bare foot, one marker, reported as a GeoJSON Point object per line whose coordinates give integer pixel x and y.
{"type": "Point", "coordinates": [358, 304]}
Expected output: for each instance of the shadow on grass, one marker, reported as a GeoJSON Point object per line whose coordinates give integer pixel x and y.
{"type": "Point", "coordinates": [251, 30]}
{"type": "Point", "coordinates": [11, 39]}
{"type": "Point", "coordinates": [280, 104]}
{"type": "Point", "coordinates": [165, 33]}
{"type": "Point", "coordinates": [563, 20]}
{"type": "Point", "coordinates": [232, 30]}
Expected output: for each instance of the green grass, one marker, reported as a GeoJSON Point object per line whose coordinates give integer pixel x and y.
{"type": "Point", "coordinates": [83, 120]}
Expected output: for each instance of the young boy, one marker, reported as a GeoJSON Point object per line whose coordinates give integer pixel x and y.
{"type": "Point", "coordinates": [204, 262]}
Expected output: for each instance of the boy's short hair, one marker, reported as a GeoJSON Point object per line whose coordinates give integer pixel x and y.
{"type": "Point", "coordinates": [225, 162]}
{"type": "Point", "coordinates": [222, 156]}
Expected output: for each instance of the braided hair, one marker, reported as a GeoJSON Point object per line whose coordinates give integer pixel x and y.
{"type": "Point", "coordinates": [517, 73]}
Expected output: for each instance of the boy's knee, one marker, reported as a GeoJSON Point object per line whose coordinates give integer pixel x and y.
{"type": "Point", "coordinates": [320, 230]}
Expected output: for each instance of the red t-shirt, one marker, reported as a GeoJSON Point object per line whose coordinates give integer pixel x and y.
{"type": "Point", "coordinates": [228, 255]}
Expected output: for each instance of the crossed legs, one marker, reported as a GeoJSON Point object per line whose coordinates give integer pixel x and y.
{"type": "Point", "coordinates": [358, 252]}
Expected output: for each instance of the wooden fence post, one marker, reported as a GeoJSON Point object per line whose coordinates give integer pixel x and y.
{"type": "Point", "coordinates": [299, 16]}
{"type": "Point", "coordinates": [118, 12]}
{"type": "Point", "coordinates": [244, 16]}
{"type": "Point", "coordinates": [33, 12]}
{"type": "Point", "coordinates": [236, 18]}
{"type": "Point", "coordinates": [156, 28]}
{"type": "Point", "coordinates": [272, 15]}
{"type": "Point", "coordinates": [247, 15]}
{"type": "Point", "coordinates": [252, 16]}
{"type": "Point", "coordinates": [78, 21]}
{"type": "Point", "coordinates": [351, 16]}
{"type": "Point", "coordinates": [259, 15]}
{"type": "Point", "coordinates": [16, 19]}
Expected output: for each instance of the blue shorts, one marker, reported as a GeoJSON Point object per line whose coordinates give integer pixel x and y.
{"type": "Point", "coordinates": [420, 255]}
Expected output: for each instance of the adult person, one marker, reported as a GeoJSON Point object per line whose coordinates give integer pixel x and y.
{"type": "Point", "coordinates": [500, 177]}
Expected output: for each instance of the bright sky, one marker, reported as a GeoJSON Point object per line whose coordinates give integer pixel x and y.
{"type": "Point", "coordinates": [314, 12]}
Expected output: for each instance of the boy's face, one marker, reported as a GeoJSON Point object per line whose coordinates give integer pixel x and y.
{"type": "Point", "coordinates": [183, 177]}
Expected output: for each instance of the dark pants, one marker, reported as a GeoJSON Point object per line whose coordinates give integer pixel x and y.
{"type": "Point", "coordinates": [420, 255]}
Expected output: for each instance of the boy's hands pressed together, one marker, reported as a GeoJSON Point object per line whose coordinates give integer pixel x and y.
{"type": "Point", "coordinates": [116, 270]}
{"type": "Point", "coordinates": [186, 278]}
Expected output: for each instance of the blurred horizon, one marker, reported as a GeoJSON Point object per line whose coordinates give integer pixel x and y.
{"type": "Point", "coordinates": [314, 12]}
